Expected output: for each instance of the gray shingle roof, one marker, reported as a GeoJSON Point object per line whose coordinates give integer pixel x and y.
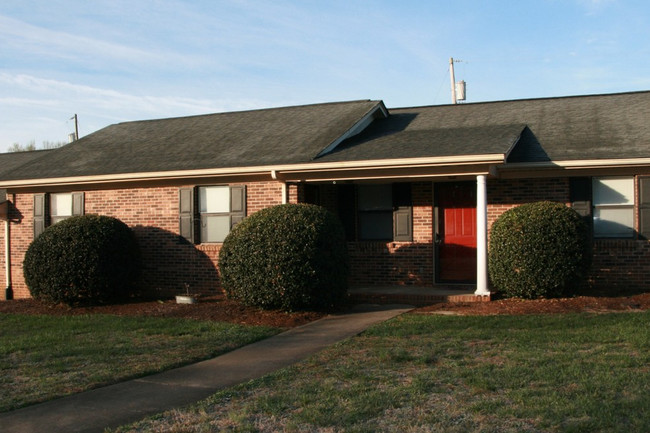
{"type": "Point", "coordinates": [11, 160]}
{"type": "Point", "coordinates": [285, 135]}
{"type": "Point", "coordinates": [398, 137]}
{"type": "Point", "coordinates": [569, 128]}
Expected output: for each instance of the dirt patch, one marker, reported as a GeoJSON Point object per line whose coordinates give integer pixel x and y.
{"type": "Point", "coordinates": [640, 302]}
{"type": "Point", "coordinates": [216, 308]}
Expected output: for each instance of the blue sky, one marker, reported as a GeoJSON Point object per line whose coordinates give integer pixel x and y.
{"type": "Point", "coordinates": [111, 61]}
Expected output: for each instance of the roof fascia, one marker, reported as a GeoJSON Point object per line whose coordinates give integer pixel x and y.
{"type": "Point", "coordinates": [293, 172]}
{"type": "Point", "coordinates": [377, 111]}
{"type": "Point", "coordinates": [577, 167]}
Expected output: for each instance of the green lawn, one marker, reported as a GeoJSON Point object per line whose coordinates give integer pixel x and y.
{"type": "Point", "coordinates": [43, 357]}
{"type": "Point", "coordinates": [416, 373]}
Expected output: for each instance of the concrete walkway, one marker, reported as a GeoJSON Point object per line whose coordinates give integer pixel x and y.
{"type": "Point", "coordinates": [125, 402]}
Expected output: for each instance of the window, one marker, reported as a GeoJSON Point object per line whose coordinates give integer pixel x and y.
{"type": "Point", "coordinates": [613, 207]}
{"type": "Point", "coordinates": [375, 207]}
{"type": "Point", "coordinates": [50, 208]}
{"type": "Point", "coordinates": [60, 207]}
{"type": "Point", "coordinates": [219, 209]}
{"type": "Point", "coordinates": [214, 206]}
{"type": "Point", "coordinates": [384, 212]}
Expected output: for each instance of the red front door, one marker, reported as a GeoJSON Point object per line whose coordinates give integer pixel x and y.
{"type": "Point", "coordinates": [456, 232]}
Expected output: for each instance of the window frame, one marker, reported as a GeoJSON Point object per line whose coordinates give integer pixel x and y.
{"type": "Point", "coordinates": [54, 216]}
{"type": "Point", "coordinates": [628, 206]}
{"type": "Point", "coordinates": [204, 203]}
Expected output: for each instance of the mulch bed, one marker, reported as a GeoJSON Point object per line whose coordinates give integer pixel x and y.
{"type": "Point", "coordinates": [218, 308]}
{"type": "Point", "coordinates": [592, 304]}
{"type": "Point", "coordinates": [215, 308]}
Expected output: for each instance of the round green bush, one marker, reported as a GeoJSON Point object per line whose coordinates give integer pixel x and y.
{"type": "Point", "coordinates": [87, 259]}
{"type": "Point", "coordinates": [538, 250]}
{"type": "Point", "coordinates": [289, 257]}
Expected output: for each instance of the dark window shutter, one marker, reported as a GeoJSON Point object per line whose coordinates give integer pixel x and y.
{"type": "Point", "coordinates": [403, 224]}
{"type": "Point", "coordinates": [77, 203]}
{"type": "Point", "coordinates": [402, 213]}
{"type": "Point", "coordinates": [237, 204]}
{"type": "Point", "coordinates": [186, 213]}
{"type": "Point", "coordinates": [39, 214]}
{"type": "Point", "coordinates": [580, 196]}
{"type": "Point", "coordinates": [644, 207]}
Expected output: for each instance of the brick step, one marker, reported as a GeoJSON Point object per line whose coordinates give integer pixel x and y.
{"type": "Point", "coordinates": [418, 300]}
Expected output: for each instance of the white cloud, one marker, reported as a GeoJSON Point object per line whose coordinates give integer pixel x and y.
{"type": "Point", "coordinates": [38, 109]}
{"type": "Point", "coordinates": [595, 6]}
{"type": "Point", "coordinates": [32, 40]}
{"type": "Point", "coordinates": [114, 101]}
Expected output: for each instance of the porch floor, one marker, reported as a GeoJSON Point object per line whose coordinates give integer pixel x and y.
{"type": "Point", "coordinates": [416, 295]}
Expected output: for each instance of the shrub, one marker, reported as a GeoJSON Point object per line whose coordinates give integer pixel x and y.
{"type": "Point", "coordinates": [289, 257]}
{"type": "Point", "coordinates": [539, 249]}
{"type": "Point", "coordinates": [85, 259]}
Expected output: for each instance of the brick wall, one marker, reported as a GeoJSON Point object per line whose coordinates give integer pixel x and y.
{"type": "Point", "coordinates": [169, 260]}
{"type": "Point", "coordinates": [618, 264]}
{"type": "Point", "coordinates": [506, 194]}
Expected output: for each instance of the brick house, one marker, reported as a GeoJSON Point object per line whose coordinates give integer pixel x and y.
{"type": "Point", "coordinates": [416, 188]}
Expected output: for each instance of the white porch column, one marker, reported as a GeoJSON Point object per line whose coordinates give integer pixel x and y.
{"type": "Point", "coordinates": [481, 237]}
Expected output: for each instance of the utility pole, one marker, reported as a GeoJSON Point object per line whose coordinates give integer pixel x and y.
{"type": "Point", "coordinates": [453, 81]}
{"type": "Point", "coordinates": [457, 88]}
{"type": "Point", "coordinates": [76, 128]}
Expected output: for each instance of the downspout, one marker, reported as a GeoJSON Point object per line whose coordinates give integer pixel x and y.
{"type": "Point", "coordinates": [274, 176]}
{"type": "Point", "coordinates": [8, 290]}
{"type": "Point", "coordinates": [284, 193]}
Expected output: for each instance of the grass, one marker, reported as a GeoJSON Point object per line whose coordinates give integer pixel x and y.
{"type": "Point", "coordinates": [43, 357]}
{"type": "Point", "coordinates": [416, 373]}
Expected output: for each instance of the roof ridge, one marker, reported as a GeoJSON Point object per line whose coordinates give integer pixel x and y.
{"type": "Point", "coordinates": [252, 110]}
{"type": "Point", "coordinates": [30, 151]}
{"type": "Point", "coordinates": [542, 98]}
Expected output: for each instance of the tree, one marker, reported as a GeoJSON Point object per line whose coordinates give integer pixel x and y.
{"type": "Point", "coordinates": [17, 147]}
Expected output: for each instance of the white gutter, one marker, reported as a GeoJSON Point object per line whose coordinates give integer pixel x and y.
{"type": "Point", "coordinates": [577, 164]}
{"type": "Point", "coordinates": [262, 171]}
